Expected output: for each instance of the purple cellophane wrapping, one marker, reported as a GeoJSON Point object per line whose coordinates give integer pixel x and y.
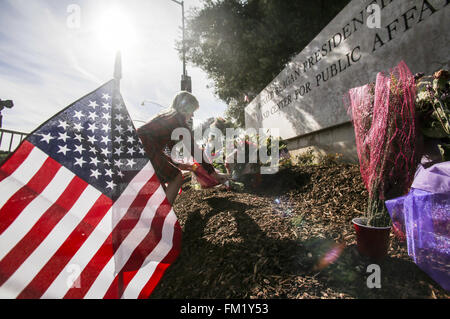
{"type": "Point", "coordinates": [423, 215]}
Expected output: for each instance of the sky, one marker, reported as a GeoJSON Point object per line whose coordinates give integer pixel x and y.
{"type": "Point", "coordinates": [49, 58]}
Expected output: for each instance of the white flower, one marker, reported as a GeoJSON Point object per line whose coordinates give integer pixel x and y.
{"type": "Point", "coordinates": [423, 96]}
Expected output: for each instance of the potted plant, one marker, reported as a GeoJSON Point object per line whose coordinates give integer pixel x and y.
{"type": "Point", "coordinates": [383, 115]}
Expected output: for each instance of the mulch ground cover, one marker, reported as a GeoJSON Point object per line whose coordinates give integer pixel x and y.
{"type": "Point", "coordinates": [291, 237]}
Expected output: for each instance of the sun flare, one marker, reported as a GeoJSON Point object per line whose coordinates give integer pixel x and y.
{"type": "Point", "coordinates": [115, 30]}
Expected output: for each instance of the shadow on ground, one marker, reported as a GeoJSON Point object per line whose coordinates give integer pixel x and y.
{"type": "Point", "coordinates": [231, 269]}
{"type": "Point", "coordinates": [278, 184]}
{"type": "Point", "coordinates": [350, 275]}
{"type": "Point", "coordinates": [249, 264]}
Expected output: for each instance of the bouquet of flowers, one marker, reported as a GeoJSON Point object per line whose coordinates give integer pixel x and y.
{"type": "Point", "coordinates": [433, 110]}
{"type": "Point", "coordinates": [383, 115]}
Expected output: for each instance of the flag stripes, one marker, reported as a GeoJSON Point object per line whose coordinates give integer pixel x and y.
{"type": "Point", "coordinates": [101, 259]}
{"type": "Point", "coordinates": [31, 214]}
{"type": "Point", "coordinates": [159, 254]}
{"type": "Point", "coordinates": [137, 258]}
{"type": "Point", "coordinates": [16, 203]}
{"type": "Point", "coordinates": [161, 267]}
{"type": "Point", "coordinates": [63, 222]}
{"type": "Point", "coordinates": [41, 229]}
{"type": "Point", "coordinates": [62, 256]}
{"type": "Point", "coordinates": [15, 160]}
{"type": "Point", "coordinates": [84, 254]}
{"type": "Point", "coordinates": [18, 178]}
{"type": "Point", "coordinates": [127, 244]}
{"type": "Point", "coordinates": [36, 260]}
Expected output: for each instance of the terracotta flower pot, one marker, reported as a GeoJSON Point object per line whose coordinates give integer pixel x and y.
{"type": "Point", "coordinates": [372, 242]}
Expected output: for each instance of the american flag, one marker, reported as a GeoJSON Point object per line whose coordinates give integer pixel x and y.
{"type": "Point", "coordinates": [82, 214]}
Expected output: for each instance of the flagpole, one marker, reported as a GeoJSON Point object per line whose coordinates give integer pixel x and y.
{"type": "Point", "coordinates": [118, 69]}
{"type": "Point", "coordinates": [117, 78]}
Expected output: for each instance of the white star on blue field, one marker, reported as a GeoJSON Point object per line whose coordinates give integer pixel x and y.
{"type": "Point", "coordinates": [102, 148]}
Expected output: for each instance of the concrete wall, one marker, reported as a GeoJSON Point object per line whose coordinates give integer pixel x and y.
{"type": "Point", "coordinates": [305, 101]}
{"type": "Point", "coordinates": [339, 139]}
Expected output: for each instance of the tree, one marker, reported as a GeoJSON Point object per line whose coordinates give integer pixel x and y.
{"type": "Point", "coordinates": [244, 45]}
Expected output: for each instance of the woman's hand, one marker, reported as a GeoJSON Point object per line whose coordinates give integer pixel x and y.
{"type": "Point", "coordinates": [185, 166]}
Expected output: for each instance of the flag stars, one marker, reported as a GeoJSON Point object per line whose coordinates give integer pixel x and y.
{"type": "Point", "coordinates": [79, 149]}
{"type": "Point", "coordinates": [63, 149]}
{"type": "Point", "coordinates": [118, 151]}
{"type": "Point", "coordinates": [93, 104]}
{"type": "Point", "coordinates": [96, 141]}
{"type": "Point", "coordinates": [63, 124]}
{"type": "Point", "coordinates": [131, 162]}
{"type": "Point", "coordinates": [105, 140]}
{"type": "Point", "coordinates": [47, 138]}
{"type": "Point", "coordinates": [105, 151]}
{"type": "Point", "coordinates": [78, 127]}
{"type": "Point", "coordinates": [95, 173]}
{"type": "Point", "coordinates": [78, 115]}
{"type": "Point", "coordinates": [78, 137]}
{"type": "Point", "coordinates": [63, 137]}
{"type": "Point", "coordinates": [106, 116]}
{"type": "Point", "coordinates": [94, 161]}
{"type": "Point", "coordinates": [92, 115]}
{"type": "Point", "coordinates": [131, 151]}
{"type": "Point", "coordinates": [92, 150]}
{"type": "Point", "coordinates": [109, 173]}
{"type": "Point", "coordinates": [80, 162]}
{"type": "Point", "coordinates": [105, 128]}
{"type": "Point", "coordinates": [119, 128]}
{"type": "Point", "coordinates": [92, 139]}
{"type": "Point", "coordinates": [117, 163]}
{"type": "Point", "coordinates": [110, 185]}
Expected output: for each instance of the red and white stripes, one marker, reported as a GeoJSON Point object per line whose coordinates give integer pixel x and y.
{"type": "Point", "coordinates": [62, 238]}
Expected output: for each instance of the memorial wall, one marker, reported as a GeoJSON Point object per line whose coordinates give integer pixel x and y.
{"type": "Point", "coordinates": [362, 40]}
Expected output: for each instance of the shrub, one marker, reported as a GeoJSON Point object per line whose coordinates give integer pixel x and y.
{"type": "Point", "coordinates": [330, 159]}
{"type": "Point", "coordinates": [306, 159]}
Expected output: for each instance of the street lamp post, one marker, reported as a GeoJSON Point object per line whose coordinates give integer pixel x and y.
{"type": "Point", "coordinates": [8, 104]}
{"type": "Point", "coordinates": [186, 82]}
